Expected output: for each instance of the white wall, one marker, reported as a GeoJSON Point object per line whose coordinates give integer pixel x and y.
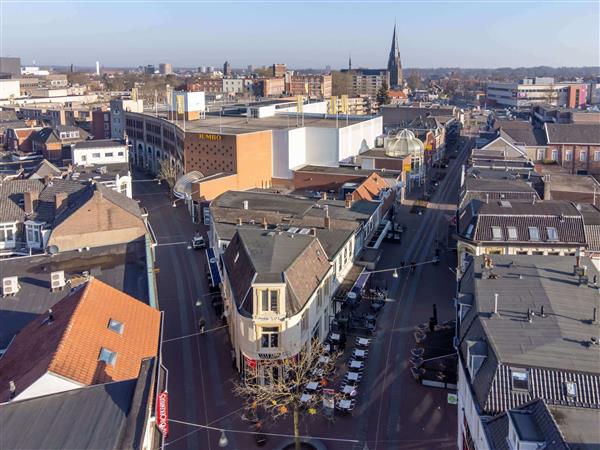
{"type": "Point", "coordinates": [359, 136]}
{"type": "Point", "coordinates": [78, 155]}
{"type": "Point", "coordinates": [10, 88]}
{"type": "Point", "coordinates": [322, 146]}
{"type": "Point", "coordinates": [193, 101]}
{"type": "Point", "coordinates": [48, 384]}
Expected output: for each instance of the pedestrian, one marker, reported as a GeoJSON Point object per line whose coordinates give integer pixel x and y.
{"type": "Point", "coordinates": [413, 266]}
{"type": "Point", "coordinates": [202, 324]}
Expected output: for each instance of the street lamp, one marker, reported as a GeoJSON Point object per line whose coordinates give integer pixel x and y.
{"type": "Point", "coordinates": [223, 441]}
{"type": "Point", "coordinates": [395, 275]}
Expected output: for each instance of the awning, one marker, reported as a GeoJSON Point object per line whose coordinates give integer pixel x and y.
{"type": "Point", "coordinates": [215, 275]}
{"type": "Point", "coordinates": [360, 283]}
{"type": "Point", "coordinates": [183, 186]}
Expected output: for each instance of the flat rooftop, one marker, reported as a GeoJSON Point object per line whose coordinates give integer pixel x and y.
{"type": "Point", "coordinates": [121, 266]}
{"type": "Point", "coordinates": [346, 170]}
{"type": "Point", "coordinates": [557, 341]}
{"type": "Point", "coordinates": [241, 125]}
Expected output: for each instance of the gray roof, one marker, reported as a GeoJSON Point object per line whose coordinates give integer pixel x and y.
{"type": "Point", "coordinates": [347, 170]}
{"type": "Point", "coordinates": [554, 349]}
{"type": "Point", "coordinates": [522, 132]}
{"type": "Point", "coordinates": [121, 266]}
{"type": "Point", "coordinates": [486, 189]}
{"type": "Point", "coordinates": [106, 416]}
{"type": "Point", "coordinates": [78, 192]}
{"type": "Point", "coordinates": [44, 169]}
{"type": "Point", "coordinates": [561, 215]}
{"type": "Point", "coordinates": [52, 134]}
{"type": "Point", "coordinates": [98, 143]}
{"type": "Point", "coordinates": [533, 421]}
{"type": "Point", "coordinates": [579, 426]}
{"type": "Point", "coordinates": [573, 133]}
{"type": "Point", "coordinates": [262, 256]}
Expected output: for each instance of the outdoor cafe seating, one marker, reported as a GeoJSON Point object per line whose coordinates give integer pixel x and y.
{"type": "Point", "coordinates": [359, 353]}
{"type": "Point", "coordinates": [356, 365]}
{"type": "Point", "coordinates": [345, 405]}
{"type": "Point", "coordinates": [312, 386]}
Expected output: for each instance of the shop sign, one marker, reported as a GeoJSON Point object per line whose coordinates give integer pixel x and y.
{"type": "Point", "coordinates": [210, 137]}
{"type": "Point", "coordinates": [162, 413]}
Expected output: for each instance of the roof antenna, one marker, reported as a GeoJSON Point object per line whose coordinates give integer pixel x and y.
{"type": "Point", "coordinates": [495, 304]}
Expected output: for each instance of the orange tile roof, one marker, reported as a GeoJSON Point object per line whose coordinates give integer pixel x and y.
{"type": "Point", "coordinates": [369, 188]}
{"type": "Point", "coordinates": [71, 344]}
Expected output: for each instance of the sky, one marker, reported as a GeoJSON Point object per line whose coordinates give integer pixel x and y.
{"type": "Point", "coordinates": [302, 34]}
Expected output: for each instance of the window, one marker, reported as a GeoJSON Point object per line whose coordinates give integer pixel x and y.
{"type": "Point", "coordinates": [7, 232]}
{"type": "Point", "coordinates": [269, 337]}
{"type": "Point", "coordinates": [554, 155]}
{"type": "Point", "coordinates": [120, 154]}
{"type": "Point", "coordinates": [569, 155]}
{"type": "Point", "coordinates": [274, 300]}
{"type": "Point", "coordinates": [108, 356]}
{"type": "Point", "coordinates": [34, 233]}
{"type": "Point", "coordinates": [597, 156]}
{"type": "Point", "coordinates": [269, 300]}
{"type": "Point", "coordinates": [512, 233]}
{"type": "Point", "coordinates": [304, 322]}
{"type": "Point", "coordinates": [116, 326]}
{"type": "Point", "coordinates": [552, 234]}
{"type": "Point", "coordinates": [108, 155]}
{"type": "Point", "coordinates": [571, 388]}
{"type": "Point", "coordinates": [496, 234]}
{"type": "Point", "coordinates": [83, 158]}
{"type": "Point", "coordinates": [583, 155]}
{"type": "Point", "coordinates": [520, 379]}
{"type": "Point", "coordinates": [95, 155]}
{"type": "Point", "coordinates": [541, 154]}
{"type": "Point", "coordinates": [534, 234]}
{"type": "Point", "coordinates": [469, 231]}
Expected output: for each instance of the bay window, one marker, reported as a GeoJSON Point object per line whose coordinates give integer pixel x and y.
{"type": "Point", "coordinates": [7, 234]}
{"type": "Point", "coordinates": [33, 234]}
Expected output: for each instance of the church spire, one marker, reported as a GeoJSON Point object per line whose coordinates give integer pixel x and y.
{"type": "Point", "coordinates": [394, 64]}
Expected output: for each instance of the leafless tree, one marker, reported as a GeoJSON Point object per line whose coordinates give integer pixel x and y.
{"type": "Point", "coordinates": [167, 172]}
{"type": "Point", "coordinates": [277, 386]}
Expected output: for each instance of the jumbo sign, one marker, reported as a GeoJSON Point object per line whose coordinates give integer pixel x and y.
{"type": "Point", "coordinates": [210, 137]}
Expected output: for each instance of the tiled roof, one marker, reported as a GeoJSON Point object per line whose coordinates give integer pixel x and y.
{"type": "Point", "coordinates": [497, 427]}
{"type": "Point", "coordinates": [43, 169]}
{"type": "Point", "coordinates": [573, 133]}
{"type": "Point", "coordinates": [11, 198]}
{"type": "Point", "coordinates": [522, 132]}
{"type": "Point", "coordinates": [70, 345]}
{"type": "Point", "coordinates": [261, 256]}
{"type": "Point", "coordinates": [49, 134]}
{"type": "Point", "coordinates": [98, 143]}
{"type": "Point", "coordinates": [563, 216]}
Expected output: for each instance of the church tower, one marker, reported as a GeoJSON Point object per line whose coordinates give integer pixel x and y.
{"type": "Point", "coordinates": [394, 65]}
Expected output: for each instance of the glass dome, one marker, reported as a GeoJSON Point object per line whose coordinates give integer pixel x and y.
{"type": "Point", "coordinates": [405, 143]}
{"type": "Point", "coordinates": [183, 187]}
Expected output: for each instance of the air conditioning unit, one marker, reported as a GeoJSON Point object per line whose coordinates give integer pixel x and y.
{"type": "Point", "coordinates": [10, 286]}
{"type": "Point", "coordinates": [57, 280]}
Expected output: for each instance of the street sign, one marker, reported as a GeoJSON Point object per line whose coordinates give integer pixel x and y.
{"type": "Point", "coordinates": [162, 413]}
{"type": "Point", "coordinates": [452, 399]}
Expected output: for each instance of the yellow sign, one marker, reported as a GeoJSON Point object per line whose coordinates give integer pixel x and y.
{"type": "Point", "coordinates": [134, 94]}
{"type": "Point", "coordinates": [429, 147]}
{"type": "Point", "coordinates": [406, 165]}
{"type": "Point", "coordinates": [333, 105]}
{"type": "Point", "coordinates": [299, 103]}
{"type": "Point", "coordinates": [180, 104]}
{"type": "Point", "coordinates": [344, 104]}
{"type": "Point", "coordinates": [210, 137]}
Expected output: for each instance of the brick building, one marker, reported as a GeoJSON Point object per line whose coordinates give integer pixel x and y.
{"type": "Point", "coordinates": [314, 86]}
{"type": "Point", "coordinates": [269, 87]}
{"type": "Point", "coordinates": [575, 147]}
{"type": "Point", "coordinates": [279, 70]}
{"type": "Point", "coordinates": [206, 85]}
{"type": "Point", "coordinates": [100, 127]}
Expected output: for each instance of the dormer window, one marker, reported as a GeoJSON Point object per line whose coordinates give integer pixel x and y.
{"type": "Point", "coordinates": [571, 389]}
{"type": "Point", "coordinates": [534, 234]}
{"type": "Point", "coordinates": [269, 300]}
{"type": "Point", "coordinates": [496, 234]}
{"type": "Point", "coordinates": [552, 234]}
{"type": "Point", "coordinates": [520, 379]}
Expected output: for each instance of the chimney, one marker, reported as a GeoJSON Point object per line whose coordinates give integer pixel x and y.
{"type": "Point", "coordinates": [327, 220]}
{"type": "Point", "coordinates": [495, 304]}
{"type": "Point", "coordinates": [12, 388]}
{"type": "Point", "coordinates": [324, 195]}
{"type": "Point", "coordinates": [239, 221]}
{"type": "Point", "coordinates": [98, 195]}
{"type": "Point", "coordinates": [348, 201]}
{"type": "Point", "coordinates": [264, 223]}
{"type": "Point", "coordinates": [59, 200]}
{"type": "Point", "coordinates": [30, 197]}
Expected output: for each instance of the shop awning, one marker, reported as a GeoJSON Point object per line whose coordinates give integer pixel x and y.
{"type": "Point", "coordinates": [215, 275]}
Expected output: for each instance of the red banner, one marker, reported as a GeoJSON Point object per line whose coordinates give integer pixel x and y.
{"type": "Point", "coordinates": [162, 413]}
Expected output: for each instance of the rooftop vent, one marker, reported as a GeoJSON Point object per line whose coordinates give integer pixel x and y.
{"type": "Point", "coordinates": [505, 204]}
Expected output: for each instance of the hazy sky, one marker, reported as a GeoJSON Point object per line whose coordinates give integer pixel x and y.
{"type": "Point", "coordinates": [302, 33]}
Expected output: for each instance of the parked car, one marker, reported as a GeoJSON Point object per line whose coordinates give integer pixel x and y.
{"type": "Point", "coordinates": [198, 242]}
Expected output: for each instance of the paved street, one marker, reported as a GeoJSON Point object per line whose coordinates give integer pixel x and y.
{"type": "Point", "coordinates": [393, 412]}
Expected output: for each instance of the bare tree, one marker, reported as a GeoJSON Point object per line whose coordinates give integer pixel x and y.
{"type": "Point", "coordinates": [167, 172]}
{"type": "Point", "coordinates": [278, 386]}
